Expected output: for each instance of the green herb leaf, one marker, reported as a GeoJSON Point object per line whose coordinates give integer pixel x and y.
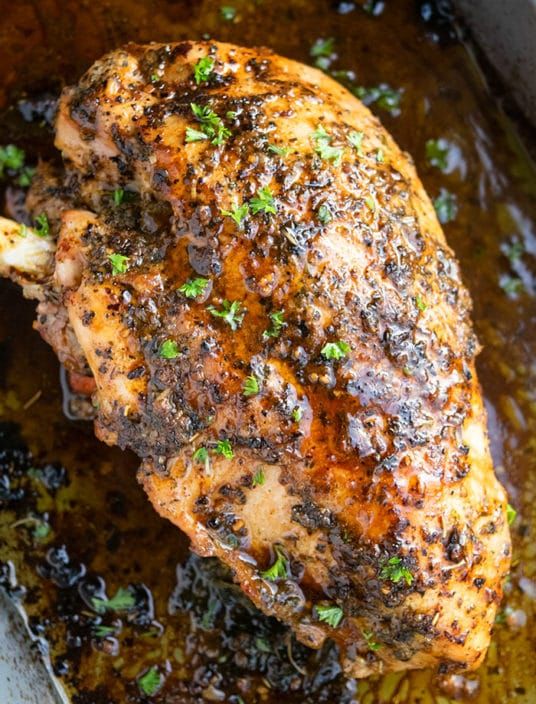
{"type": "Point", "coordinates": [102, 631]}
{"type": "Point", "coordinates": [231, 313]}
{"type": "Point", "coordinates": [297, 414]}
{"type": "Point", "coordinates": [41, 530]}
{"type": "Point", "coordinates": [511, 285]}
{"type": "Point", "coordinates": [323, 146]}
{"type": "Point", "coordinates": [238, 213]}
{"type": "Point", "coordinates": [119, 195]}
{"type": "Point", "coordinates": [263, 202]}
{"type": "Point", "coordinates": [322, 51]}
{"type": "Point", "coordinates": [251, 386]}
{"type": "Point", "coordinates": [324, 214]}
{"type": "Point", "coordinates": [150, 682]}
{"type": "Point", "coordinates": [122, 601]}
{"type": "Point", "coordinates": [330, 614]}
{"type": "Point", "coordinates": [446, 206]}
{"type": "Point", "coordinates": [383, 95]}
{"type": "Point", "coordinates": [335, 350]}
{"type": "Point", "coordinates": [26, 175]}
{"type": "Point", "coordinates": [395, 570]}
{"type": "Point", "coordinates": [372, 645]}
{"type": "Point", "coordinates": [258, 478]}
{"type": "Point", "coordinates": [421, 305]}
{"type": "Point", "coordinates": [11, 157]}
{"type": "Point", "coordinates": [379, 156]}
{"type": "Point", "coordinates": [200, 455]}
{"type": "Point", "coordinates": [437, 153]}
{"type": "Point", "coordinates": [370, 203]}
{"type": "Point", "coordinates": [41, 225]}
{"type": "Point", "coordinates": [194, 135]}
{"type": "Point", "coordinates": [23, 230]}
{"type": "Point", "coordinates": [277, 324]}
{"type": "Point", "coordinates": [224, 447]}
{"type": "Point", "coordinates": [119, 263]}
{"type": "Point", "coordinates": [280, 151]}
{"type": "Point", "coordinates": [356, 140]}
{"type": "Point", "coordinates": [194, 287]}
{"type": "Point", "coordinates": [169, 350]}
{"type": "Point", "coordinates": [211, 126]}
{"type": "Point", "coordinates": [203, 69]}
{"type": "Point", "coordinates": [511, 514]}
{"type": "Point", "coordinates": [228, 13]}
{"type": "Point", "coordinates": [279, 569]}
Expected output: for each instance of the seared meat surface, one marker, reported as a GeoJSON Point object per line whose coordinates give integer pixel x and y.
{"type": "Point", "coordinates": [251, 271]}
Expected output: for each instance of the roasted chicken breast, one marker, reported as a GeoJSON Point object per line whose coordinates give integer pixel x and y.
{"type": "Point", "coordinates": [250, 270]}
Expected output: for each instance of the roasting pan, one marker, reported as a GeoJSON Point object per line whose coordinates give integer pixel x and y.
{"type": "Point", "coordinates": [56, 35]}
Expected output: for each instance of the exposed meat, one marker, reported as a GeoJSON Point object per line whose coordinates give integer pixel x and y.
{"type": "Point", "coordinates": [276, 325]}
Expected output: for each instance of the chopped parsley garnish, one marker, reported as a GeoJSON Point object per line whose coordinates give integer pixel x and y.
{"type": "Point", "coordinates": [25, 176]}
{"type": "Point", "coordinates": [224, 447]}
{"type": "Point", "coordinates": [41, 225]}
{"type": "Point", "coordinates": [395, 570]}
{"type": "Point", "coordinates": [335, 350]}
{"type": "Point", "coordinates": [231, 313]}
{"type": "Point", "coordinates": [23, 230]}
{"type": "Point", "coordinates": [169, 350]}
{"type": "Point", "coordinates": [280, 151]}
{"type": "Point", "coordinates": [370, 203]}
{"type": "Point", "coordinates": [324, 214]}
{"type": "Point", "coordinates": [279, 569]}
{"type": "Point", "coordinates": [297, 414]}
{"type": "Point", "coordinates": [330, 614]}
{"type": "Point", "coordinates": [41, 530]}
{"type": "Point", "coordinates": [122, 601]}
{"type": "Point", "coordinates": [511, 514]}
{"type": "Point", "coordinates": [322, 51]}
{"type": "Point", "coordinates": [251, 386]}
{"type": "Point", "coordinates": [437, 153]}
{"type": "Point", "coordinates": [119, 263]}
{"type": "Point", "coordinates": [372, 645]}
{"type": "Point", "coordinates": [155, 78]}
{"type": "Point", "coordinates": [228, 13]}
{"type": "Point", "coordinates": [102, 631]}
{"type": "Point", "coordinates": [421, 305]}
{"type": "Point", "coordinates": [238, 213]}
{"type": "Point", "coordinates": [119, 195]}
{"type": "Point", "coordinates": [11, 157]}
{"type": "Point", "coordinates": [323, 146]}
{"type": "Point", "coordinates": [194, 287]}
{"type": "Point", "coordinates": [511, 285]}
{"type": "Point", "coordinates": [211, 126]}
{"type": "Point", "coordinates": [258, 478]}
{"type": "Point", "coordinates": [446, 206]}
{"type": "Point", "coordinates": [150, 682]}
{"type": "Point", "coordinates": [356, 140]}
{"type": "Point", "coordinates": [194, 135]}
{"type": "Point", "coordinates": [277, 323]}
{"type": "Point", "coordinates": [263, 202]}
{"type": "Point", "coordinates": [203, 69]}
{"type": "Point", "coordinates": [383, 95]}
{"type": "Point", "coordinates": [200, 455]}
{"type": "Point", "coordinates": [379, 156]}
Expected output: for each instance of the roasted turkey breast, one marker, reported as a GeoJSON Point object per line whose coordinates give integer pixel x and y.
{"type": "Point", "coordinates": [254, 276]}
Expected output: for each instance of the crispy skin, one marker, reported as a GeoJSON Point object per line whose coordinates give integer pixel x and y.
{"type": "Point", "coordinates": [387, 457]}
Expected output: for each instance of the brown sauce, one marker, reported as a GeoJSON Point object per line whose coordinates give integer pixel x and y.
{"type": "Point", "coordinates": [186, 619]}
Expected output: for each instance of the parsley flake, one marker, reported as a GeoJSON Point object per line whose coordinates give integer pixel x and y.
{"type": "Point", "coordinates": [511, 514]}
{"type": "Point", "coordinates": [224, 448]}
{"type": "Point", "coordinates": [203, 69]}
{"type": "Point", "coordinates": [356, 140]}
{"type": "Point", "coordinates": [323, 146]}
{"type": "Point", "coordinates": [102, 631]}
{"type": "Point", "coordinates": [228, 13]}
{"type": "Point", "coordinates": [251, 386]}
{"type": "Point", "coordinates": [383, 95]}
{"type": "Point", "coordinates": [330, 614]}
{"type": "Point", "coordinates": [370, 203]}
{"type": "Point", "coordinates": [41, 225]}
{"type": "Point", "coordinates": [421, 305]}
{"type": "Point", "coordinates": [23, 230]}
{"type": "Point", "coordinates": [395, 570]}
{"type": "Point", "coordinates": [277, 324]}
{"type": "Point", "coordinates": [119, 263]}
{"type": "Point", "coordinates": [324, 214]}
{"type": "Point", "coordinates": [231, 313]}
{"type": "Point", "coordinates": [372, 645]}
{"type": "Point", "coordinates": [169, 350]}
{"type": "Point", "coordinates": [150, 682]}
{"type": "Point", "coordinates": [279, 569]}
{"type": "Point", "coordinates": [263, 202]}
{"type": "Point", "coordinates": [119, 195]}
{"type": "Point", "coordinates": [280, 151]}
{"type": "Point", "coordinates": [322, 51]}
{"type": "Point", "coordinates": [194, 287]}
{"type": "Point", "coordinates": [335, 350]}
{"type": "Point", "coordinates": [11, 157]}
{"type": "Point", "coordinates": [297, 414]}
{"type": "Point", "coordinates": [122, 601]}
{"type": "Point", "coordinates": [238, 213]}
{"type": "Point", "coordinates": [446, 206]}
{"type": "Point", "coordinates": [200, 455]}
{"type": "Point", "coordinates": [437, 153]}
{"type": "Point", "coordinates": [211, 126]}
{"type": "Point", "coordinates": [258, 478]}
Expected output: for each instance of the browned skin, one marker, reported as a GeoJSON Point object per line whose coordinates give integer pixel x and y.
{"type": "Point", "coordinates": [389, 459]}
